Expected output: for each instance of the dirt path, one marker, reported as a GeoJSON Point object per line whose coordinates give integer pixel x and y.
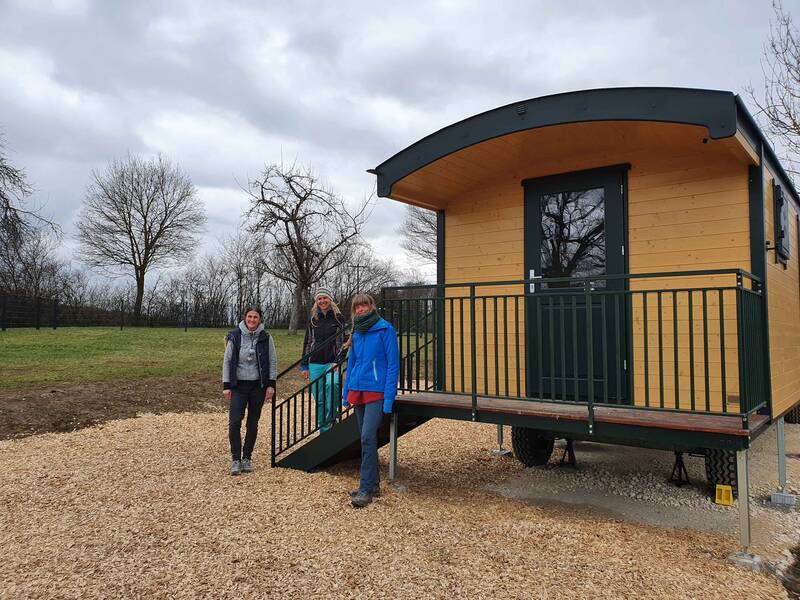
{"type": "Point", "coordinates": [145, 508]}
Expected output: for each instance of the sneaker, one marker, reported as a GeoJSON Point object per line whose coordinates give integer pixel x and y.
{"type": "Point", "coordinates": [361, 500]}
{"type": "Point", "coordinates": [375, 493]}
{"type": "Point", "coordinates": [247, 465]}
{"type": "Point", "coordinates": [236, 467]}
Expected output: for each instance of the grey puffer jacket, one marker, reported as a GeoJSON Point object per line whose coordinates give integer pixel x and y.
{"type": "Point", "coordinates": [247, 368]}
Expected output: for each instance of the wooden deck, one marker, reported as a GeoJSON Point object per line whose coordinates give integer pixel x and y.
{"type": "Point", "coordinates": [635, 417]}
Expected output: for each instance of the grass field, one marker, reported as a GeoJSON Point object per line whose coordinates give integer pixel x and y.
{"type": "Point", "coordinates": [74, 355]}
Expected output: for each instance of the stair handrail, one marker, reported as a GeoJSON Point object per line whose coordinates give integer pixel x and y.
{"type": "Point", "coordinates": [308, 355]}
{"type": "Point", "coordinates": [341, 368]}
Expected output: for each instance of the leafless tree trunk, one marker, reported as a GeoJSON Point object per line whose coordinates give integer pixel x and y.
{"type": "Point", "coordinates": [309, 229]}
{"type": "Point", "coordinates": [139, 214]}
{"type": "Point", "coordinates": [419, 234]}
{"type": "Point", "coordinates": [780, 106]}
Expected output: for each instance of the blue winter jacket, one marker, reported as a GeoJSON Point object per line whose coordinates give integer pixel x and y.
{"type": "Point", "coordinates": [373, 363]}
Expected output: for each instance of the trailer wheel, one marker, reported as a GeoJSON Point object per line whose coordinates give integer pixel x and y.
{"type": "Point", "coordinates": [531, 446]}
{"type": "Point", "coordinates": [793, 416]}
{"type": "Point", "coordinates": [721, 467]}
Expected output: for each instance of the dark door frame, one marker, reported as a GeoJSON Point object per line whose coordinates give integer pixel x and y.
{"type": "Point", "coordinates": [532, 218]}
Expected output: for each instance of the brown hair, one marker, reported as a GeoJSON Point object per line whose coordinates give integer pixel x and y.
{"type": "Point", "coordinates": [358, 300]}
{"type": "Point", "coordinates": [253, 308]}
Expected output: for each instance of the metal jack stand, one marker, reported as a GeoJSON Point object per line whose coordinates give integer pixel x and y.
{"type": "Point", "coordinates": [500, 451]}
{"type": "Point", "coordinates": [781, 497]}
{"type": "Point", "coordinates": [679, 473]}
{"type": "Point", "coordinates": [568, 458]}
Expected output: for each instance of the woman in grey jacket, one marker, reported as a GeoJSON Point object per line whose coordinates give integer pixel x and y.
{"type": "Point", "coordinates": [249, 371]}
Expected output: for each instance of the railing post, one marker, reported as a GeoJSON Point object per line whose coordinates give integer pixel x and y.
{"type": "Point", "coordinates": [473, 352]}
{"type": "Point", "coordinates": [185, 315]}
{"type": "Point", "coordinates": [3, 309]}
{"type": "Point", "coordinates": [439, 383]}
{"type": "Point", "coordinates": [743, 396]}
{"type": "Point", "coordinates": [393, 446]}
{"type": "Point", "coordinates": [272, 425]}
{"type": "Point", "coordinates": [121, 314]}
{"type": "Point", "coordinates": [37, 316]}
{"type": "Point", "coordinates": [590, 356]}
{"type": "Point", "coordinates": [55, 312]}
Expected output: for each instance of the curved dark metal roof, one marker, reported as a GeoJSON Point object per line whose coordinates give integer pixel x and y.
{"type": "Point", "coordinates": [717, 111]}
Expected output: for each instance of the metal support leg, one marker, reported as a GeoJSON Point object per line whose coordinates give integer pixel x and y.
{"type": "Point", "coordinates": [500, 451]}
{"type": "Point", "coordinates": [781, 455]}
{"type": "Point", "coordinates": [743, 486]}
{"type": "Point", "coordinates": [393, 447]}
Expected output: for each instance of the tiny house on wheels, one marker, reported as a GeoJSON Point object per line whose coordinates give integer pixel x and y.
{"type": "Point", "coordinates": [615, 265]}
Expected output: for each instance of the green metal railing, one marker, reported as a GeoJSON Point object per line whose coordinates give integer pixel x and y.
{"type": "Point", "coordinates": [643, 341]}
{"type": "Point", "coordinates": [294, 418]}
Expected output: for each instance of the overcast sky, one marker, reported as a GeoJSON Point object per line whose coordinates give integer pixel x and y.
{"type": "Point", "coordinates": [224, 87]}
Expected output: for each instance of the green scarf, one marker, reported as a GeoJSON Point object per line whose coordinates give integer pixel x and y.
{"type": "Point", "coordinates": [362, 324]}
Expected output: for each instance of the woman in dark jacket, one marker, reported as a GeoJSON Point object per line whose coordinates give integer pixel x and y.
{"type": "Point", "coordinates": [370, 386]}
{"type": "Point", "coordinates": [249, 370]}
{"type": "Point", "coordinates": [321, 349]}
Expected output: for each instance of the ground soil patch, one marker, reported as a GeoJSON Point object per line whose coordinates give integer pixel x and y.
{"type": "Point", "coordinates": [71, 406]}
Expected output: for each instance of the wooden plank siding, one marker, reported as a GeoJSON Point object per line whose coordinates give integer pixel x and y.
{"type": "Point", "coordinates": [703, 223]}
{"type": "Point", "coordinates": [783, 294]}
{"type": "Point", "coordinates": [484, 239]}
{"type": "Point", "coordinates": [687, 210]}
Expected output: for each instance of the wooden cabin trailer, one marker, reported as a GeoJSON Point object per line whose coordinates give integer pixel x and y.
{"type": "Point", "coordinates": [615, 265]}
{"type": "Point", "coordinates": [618, 265]}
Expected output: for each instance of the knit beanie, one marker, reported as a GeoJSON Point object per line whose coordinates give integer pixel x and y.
{"type": "Point", "coordinates": [323, 291]}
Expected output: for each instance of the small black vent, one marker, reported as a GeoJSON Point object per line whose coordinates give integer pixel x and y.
{"type": "Point", "coordinates": [522, 109]}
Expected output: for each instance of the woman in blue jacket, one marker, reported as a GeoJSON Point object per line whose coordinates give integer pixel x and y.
{"type": "Point", "coordinates": [370, 387]}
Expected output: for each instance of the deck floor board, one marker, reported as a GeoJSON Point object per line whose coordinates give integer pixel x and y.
{"type": "Point", "coordinates": [685, 421]}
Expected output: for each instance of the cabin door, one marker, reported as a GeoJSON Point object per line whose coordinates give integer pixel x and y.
{"type": "Point", "coordinates": [575, 227]}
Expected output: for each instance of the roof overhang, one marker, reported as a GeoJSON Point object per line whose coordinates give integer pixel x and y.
{"type": "Point", "coordinates": [723, 114]}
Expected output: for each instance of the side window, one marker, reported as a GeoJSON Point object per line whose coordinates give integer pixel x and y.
{"type": "Point", "coordinates": [781, 225]}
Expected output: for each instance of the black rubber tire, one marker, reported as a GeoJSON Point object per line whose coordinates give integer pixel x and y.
{"type": "Point", "coordinates": [793, 416]}
{"type": "Point", "coordinates": [721, 467]}
{"type": "Point", "coordinates": [531, 446]}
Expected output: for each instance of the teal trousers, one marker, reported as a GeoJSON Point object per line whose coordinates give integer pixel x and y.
{"type": "Point", "coordinates": [327, 393]}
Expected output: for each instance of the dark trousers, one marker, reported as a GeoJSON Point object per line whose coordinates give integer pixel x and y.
{"type": "Point", "coordinates": [249, 395]}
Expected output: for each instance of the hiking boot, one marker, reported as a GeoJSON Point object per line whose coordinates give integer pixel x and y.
{"type": "Point", "coordinates": [361, 500]}
{"type": "Point", "coordinates": [236, 467]}
{"type": "Point", "coordinates": [247, 465]}
{"type": "Point", "coordinates": [375, 493]}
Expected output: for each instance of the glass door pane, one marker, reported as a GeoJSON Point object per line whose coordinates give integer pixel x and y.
{"type": "Point", "coordinates": [573, 240]}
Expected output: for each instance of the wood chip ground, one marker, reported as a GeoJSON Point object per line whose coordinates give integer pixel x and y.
{"type": "Point", "coordinates": [145, 508]}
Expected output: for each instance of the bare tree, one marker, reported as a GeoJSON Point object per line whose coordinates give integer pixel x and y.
{"type": "Point", "coordinates": [308, 228]}
{"type": "Point", "coordinates": [363, 272]}
{"type": "Point", "coordinates": [780, 106]}
{"type": "Point", "coordinates": [419, 234]}
{"type": "Point", "coordinates": [245, 256]}
{"type": "Point", "coordinates": [29, 265]}
{"type": "Point", "coordinates": [139, 214]}
{"type": "Point", "coordinates": [14, 190]}
{"type": "Point", "coordinates": [16, 218]}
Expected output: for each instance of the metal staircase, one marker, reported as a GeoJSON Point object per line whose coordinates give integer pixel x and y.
{"type": "Point", "coordinates": [298, 440]}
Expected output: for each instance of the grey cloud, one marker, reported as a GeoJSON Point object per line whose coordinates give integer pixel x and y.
{"type": "Point", "coordinates": [353, 74]}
